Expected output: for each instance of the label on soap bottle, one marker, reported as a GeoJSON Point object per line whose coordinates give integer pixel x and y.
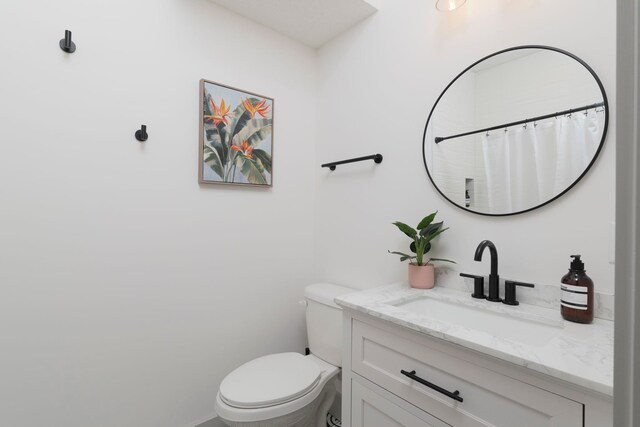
{"type": "Point", "coordinates": [573, 296]}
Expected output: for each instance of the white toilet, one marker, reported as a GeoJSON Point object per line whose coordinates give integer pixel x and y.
{"type": "Point", "coordinates": [289, 389]}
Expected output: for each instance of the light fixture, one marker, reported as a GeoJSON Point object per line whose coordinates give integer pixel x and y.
{"type": "Point", "coordinates": [449, 5]}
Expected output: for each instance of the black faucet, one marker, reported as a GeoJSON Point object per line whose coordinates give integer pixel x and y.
{"type": "Point", "coordinates": [494, 291]}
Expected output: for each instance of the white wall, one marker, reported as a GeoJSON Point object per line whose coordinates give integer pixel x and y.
{"type": "Point", "coordinates": [127, 291]}
{"type": "Point", "coordinates": [377, 86]}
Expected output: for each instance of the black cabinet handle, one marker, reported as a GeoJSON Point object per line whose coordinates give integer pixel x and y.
{"type": "Point", "coordinates": [455, 395]}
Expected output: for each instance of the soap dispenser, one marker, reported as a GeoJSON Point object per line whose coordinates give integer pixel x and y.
{"type": "Point", "coordinates": [576, 298]}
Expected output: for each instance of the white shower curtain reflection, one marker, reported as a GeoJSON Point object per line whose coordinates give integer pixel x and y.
{"type": "Point", "coordinates": [526, 166]}
{"type": "Point", "coordinates": [578, 138]}
{"type": "Point", "coordinates": [510, 165]}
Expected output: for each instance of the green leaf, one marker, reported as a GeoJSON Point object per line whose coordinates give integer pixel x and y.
{"type": "Point", "coordinates": [422, 247]}
{"type": "Point", "coordinates": [252, 171]}
{"type": "Point", "coordinates": [431, 228]}
{"type": "Point", "coordinates": [400, 253]}
{"type": "Point", "coordinates": [426, 220]}
{"type": "Point", "coordinates": [434, 235]}
{"type": "Point", "coordinates": [264, 158]}
{"type": "Point", "coordinates": [237, 121]}
{"type": "Point", "coordinates": [213, 136]}
{"type": "Point", "coordinates": [427, 248]}
{"type": "Point", "coordinates": [403, 256]}
{"type": "Point", "coordinates": [211, 158]}
{"type": "Point", "coordinates": [406, 229]}
{"type": "Point", "coordinates": [206, 107]}
{"type": "Point", "coordinates": [442, 260]}
{"type": "Point", "coordinates": [214, 139]}
{"type": "Point", "coordinates": [255, 131]}
{"type": "Point", "coordinates": [259, 165]}
{"type": "Point", "coordinates": [242, 118]}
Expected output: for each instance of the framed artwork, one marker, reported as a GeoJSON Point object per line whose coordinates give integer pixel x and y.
{"type": "Point", "coordinates": [236, 136]}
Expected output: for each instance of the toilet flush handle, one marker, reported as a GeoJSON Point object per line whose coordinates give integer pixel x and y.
{"type": "Point", "coordinates": [303, 302]}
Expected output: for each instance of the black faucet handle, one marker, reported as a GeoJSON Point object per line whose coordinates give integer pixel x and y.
{"type": "Point", "coordinates": [510, 291]}
{"type": "Point", "coordinates": [478, 285]}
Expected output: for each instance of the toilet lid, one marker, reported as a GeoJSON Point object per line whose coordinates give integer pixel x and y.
{"type": "Point", "coordinates": [270, 380]}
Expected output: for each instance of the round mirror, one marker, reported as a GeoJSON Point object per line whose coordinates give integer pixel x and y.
{"type": "Point", "coordinates": [515, 130]}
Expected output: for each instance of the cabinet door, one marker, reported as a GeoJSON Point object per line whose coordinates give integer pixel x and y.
{"type": "Point", "coordinates": [370, 409]}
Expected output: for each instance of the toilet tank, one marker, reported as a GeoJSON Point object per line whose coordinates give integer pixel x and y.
{"type": "Point", "coordinates": [324, 321]}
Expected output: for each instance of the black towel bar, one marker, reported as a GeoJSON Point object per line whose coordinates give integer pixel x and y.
{"type": "Point", "coordinates": [375, 157]}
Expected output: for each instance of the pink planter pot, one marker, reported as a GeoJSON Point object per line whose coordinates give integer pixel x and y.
{"type": "Point", "coordinates": [421, 276]}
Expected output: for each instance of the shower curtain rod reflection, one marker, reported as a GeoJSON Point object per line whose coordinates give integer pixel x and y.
{"type": "Point", "coordinates": [439, 139]}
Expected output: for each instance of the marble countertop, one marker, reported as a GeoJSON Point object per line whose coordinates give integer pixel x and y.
{"type": "Point", "coordinates": [579, 354]}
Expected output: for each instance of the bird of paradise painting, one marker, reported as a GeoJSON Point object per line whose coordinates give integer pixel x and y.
{"type": "Point", "coordinates": [236, 136]}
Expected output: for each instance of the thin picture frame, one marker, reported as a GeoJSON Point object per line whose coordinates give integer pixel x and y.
{"type": "Point", "coordinates": [254, 112]}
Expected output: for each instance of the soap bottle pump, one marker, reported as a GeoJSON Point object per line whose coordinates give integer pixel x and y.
{"type": "Point", "coordinates": [576, 298]}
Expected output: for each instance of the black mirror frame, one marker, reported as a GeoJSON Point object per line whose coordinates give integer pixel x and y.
{"type": "Point", "coordinates": [554, 49]}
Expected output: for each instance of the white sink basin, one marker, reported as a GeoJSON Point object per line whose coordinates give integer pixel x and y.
{"type": "Point", "coordinates": [500, 321]}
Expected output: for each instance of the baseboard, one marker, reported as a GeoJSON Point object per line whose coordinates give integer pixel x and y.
{"type": "Point", "coordinates": [213, 422]}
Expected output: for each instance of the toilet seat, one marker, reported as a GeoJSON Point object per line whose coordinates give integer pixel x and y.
{"type": "Point", "coordinates": [270, 380]}
{"type": "Point", "coordinates": [243, 414]}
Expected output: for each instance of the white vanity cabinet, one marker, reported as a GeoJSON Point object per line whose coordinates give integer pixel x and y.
{"type": "Point", "coordinates": [377, 393]}
{"type": "Point", "coordinates": [372, 407]}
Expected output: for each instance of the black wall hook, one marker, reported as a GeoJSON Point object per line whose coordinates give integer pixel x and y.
{"type": "Point", "coordinates": [141, 135]}
{"type": "Point", "coordinates": [66, 44]}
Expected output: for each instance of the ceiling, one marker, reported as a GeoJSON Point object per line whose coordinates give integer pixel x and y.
{"type": "Point", "coordinates": [312, 22]}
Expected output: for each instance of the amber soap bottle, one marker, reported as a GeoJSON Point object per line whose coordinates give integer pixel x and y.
{"type": "Point", "coordinates": [576, 291]}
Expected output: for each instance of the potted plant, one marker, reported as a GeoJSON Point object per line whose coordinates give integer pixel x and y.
{"type": "Point", "coordinates": [421, 271]}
